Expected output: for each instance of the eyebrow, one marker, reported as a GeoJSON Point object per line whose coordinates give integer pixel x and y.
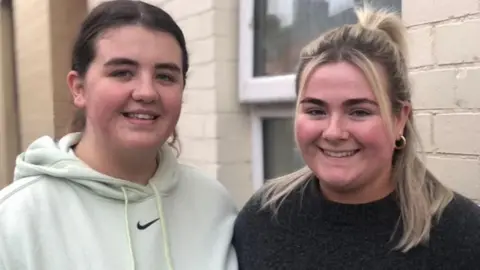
{"type": "Point", "coordinates": [129, 62]}
{"type": "Point", "coordinates": [347, 103]}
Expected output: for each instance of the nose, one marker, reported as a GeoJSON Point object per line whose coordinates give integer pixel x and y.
{"type": "Point", "coordinates": [335, 130]}
{"type": "Point", "coordinates": [145, 92]}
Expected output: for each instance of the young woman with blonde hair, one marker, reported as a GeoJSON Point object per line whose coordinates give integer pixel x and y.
{"type": "Point", "coordinates": [365, 200]}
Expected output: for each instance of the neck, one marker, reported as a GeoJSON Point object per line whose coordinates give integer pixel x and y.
{"type": "Point", "coordinates": [136, 167]}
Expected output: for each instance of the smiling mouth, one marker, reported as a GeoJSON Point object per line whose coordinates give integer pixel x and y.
{"type": "Point", "coordinates": [339, 154]}
{"type": "Point", "coordinates": [140, 116]}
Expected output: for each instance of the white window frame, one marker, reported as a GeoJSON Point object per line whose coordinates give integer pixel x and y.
{"type": "Point", "coordinates": [257, 115]}
{"type": "Point", "coordinates": [254, 90]}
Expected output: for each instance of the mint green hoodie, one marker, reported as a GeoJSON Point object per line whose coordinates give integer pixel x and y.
{"type": "Point", "coordinates": [59, 214]}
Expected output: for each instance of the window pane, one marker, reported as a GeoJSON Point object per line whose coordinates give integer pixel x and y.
{"type": "Point", "coordinates": [283, 27]}
{"type": "Point", "coordinates": [280, 154]}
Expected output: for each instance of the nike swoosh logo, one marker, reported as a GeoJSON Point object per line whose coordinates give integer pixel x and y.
{"type": "Point", "coordinates": [146, 225]}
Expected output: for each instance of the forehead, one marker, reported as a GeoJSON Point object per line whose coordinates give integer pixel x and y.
{"type": "Point", "coordinates": [138, 43]}
{"type": "Point", "coordinates": [338, 81]}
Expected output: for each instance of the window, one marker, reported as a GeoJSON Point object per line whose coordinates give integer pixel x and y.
{"type": "Point", "coordinates": [272, 33]}
{"type": "Point", "coordinates": [280, 153]}
{"type": "Point", "coordinates": [274, 149]}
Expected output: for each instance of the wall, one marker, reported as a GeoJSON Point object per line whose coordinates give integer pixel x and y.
{"type": "Point", "coordinates": [36, 37]}
{"type": "Point", "coordinates": [445, 64]}
{"type": "Point", "coordinates": [44, 32]}
{"type": "Point", "coordinates": [214, 129]}
{"type": "Point", "coordinates": [8, 120]}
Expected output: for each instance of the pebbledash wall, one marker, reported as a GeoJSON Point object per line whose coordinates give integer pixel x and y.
{"type": "Point", "coordinates": [219, 133]}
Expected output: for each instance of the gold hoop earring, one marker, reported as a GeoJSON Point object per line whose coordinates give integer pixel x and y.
{"type": "Point", "coordinates": [400, 143]}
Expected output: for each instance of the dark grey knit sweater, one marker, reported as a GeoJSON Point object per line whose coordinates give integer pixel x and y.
{"type": "Point", "coordinates": [313, 233]}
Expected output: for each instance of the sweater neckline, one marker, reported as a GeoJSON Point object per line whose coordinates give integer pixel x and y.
{"type": "Point", "coordinates": [381, 213]}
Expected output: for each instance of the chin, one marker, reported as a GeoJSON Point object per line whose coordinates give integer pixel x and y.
{"type": "Point", "coordinates": [141, 143]}
{"type": "Point", "coordinates": [336, 178]}
{"type": "Point", "coordinates": [337, 183]}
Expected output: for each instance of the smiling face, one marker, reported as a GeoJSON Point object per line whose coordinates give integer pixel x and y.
{"type": "Point", "coordinates": [132, 91]}
{"type": "Point", "coordinates": [342, 136]}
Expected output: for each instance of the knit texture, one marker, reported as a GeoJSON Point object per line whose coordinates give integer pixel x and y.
{"type": "Point", "coordinates": [311, 232]}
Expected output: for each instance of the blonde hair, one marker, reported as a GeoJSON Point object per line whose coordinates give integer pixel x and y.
{"type": "Point", "coordinates": [377, 39]}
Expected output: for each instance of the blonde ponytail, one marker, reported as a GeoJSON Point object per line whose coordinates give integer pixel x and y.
{"type": "Point", "coordinates": [386, 21]}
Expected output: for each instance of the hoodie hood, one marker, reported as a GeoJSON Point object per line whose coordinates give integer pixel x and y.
{"type": "Point", "coordinates": [46, 157]}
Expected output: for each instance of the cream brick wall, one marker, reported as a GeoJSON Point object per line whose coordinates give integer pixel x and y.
{"type": "Point", "coordinates": [214, 129]}
{"type": "Point", "coordinates": [445, 68]}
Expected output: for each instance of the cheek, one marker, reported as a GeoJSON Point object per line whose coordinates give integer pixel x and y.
{"type": "Point", "coordinates": [105, 101]}
{"type": "Point", "coordinates": [172, 100]}
{"type": "Point", "coordinates": [376, 138]}
{"type": "Point", "coordinates": [306, 131]}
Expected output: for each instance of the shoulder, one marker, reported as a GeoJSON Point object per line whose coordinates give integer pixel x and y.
{"type": "Point", "coordinates": [256, 216]}
{"type": "Point", "coordinates": [206, 188]}
{"type": "Point", "coordinates": [25, 201]}
{"type": "Point", "coordinates": [286, 191]}
{"type": "Point", "coordinates": [258, 223]}
{"type": "Point", "coordinates": [201, 181]}
{"type": "Point", "coordinates": [24, 189]}
{"type": "Point", "coordinates": [461, 213]}
{"type": "Point", "coordinates": [458, 232]}
{"type": "Point", "coordinates": [28, 195]}
{"type": "Point", "coordinates": [253, 206]}
{"type": "Point", "coordinates": [248, 220]}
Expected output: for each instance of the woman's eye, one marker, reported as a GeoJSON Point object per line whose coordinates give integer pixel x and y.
{"type": "Point", "coordinates": [360, 113]}
{"type": "Point", "coordinates": [316, 112]}
{"type": "Point", "coordinates": [124, 74]}
{"type": "Point", "coordinates": [166, 78]}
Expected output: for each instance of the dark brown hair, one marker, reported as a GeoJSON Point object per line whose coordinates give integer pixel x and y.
{"type": "Point", "coordinates": [117, 13]}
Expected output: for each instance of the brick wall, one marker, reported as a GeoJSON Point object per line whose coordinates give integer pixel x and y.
{"type": "Point", "coordinates": [214, 129]}
{"type": "Point", "coordinates": [445, 69]}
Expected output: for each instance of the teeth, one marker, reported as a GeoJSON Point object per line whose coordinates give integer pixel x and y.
{"type": "Point", "coordinates": [339, 154]}
{"type": "Point", "coordinates": [140, 116]}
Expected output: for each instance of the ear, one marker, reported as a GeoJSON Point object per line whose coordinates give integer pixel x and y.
{"type": "Point", "coordinates": [401, 119]}
{"type": "Point", "coordinates": [76, 84]}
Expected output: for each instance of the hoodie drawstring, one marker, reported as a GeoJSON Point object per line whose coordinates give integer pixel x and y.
{"type": "Point", "coordinates": [163, 225]}
{"type": "Point", "coordinates": [129, 239]}
{"type": "Point", "coordinates": [166, 242]}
